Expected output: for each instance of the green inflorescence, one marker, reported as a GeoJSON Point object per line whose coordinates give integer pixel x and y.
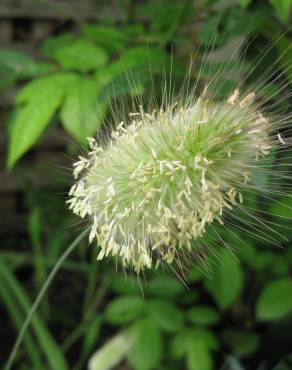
{"type": "Point", "coordinates": [168, 174]}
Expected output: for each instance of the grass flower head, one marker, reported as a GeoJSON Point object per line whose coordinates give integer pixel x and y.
{"type": "Point", "coordinates": [168, 174]}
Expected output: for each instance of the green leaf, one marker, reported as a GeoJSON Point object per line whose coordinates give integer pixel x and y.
{"type": "Point", "coordinates": [164, 24]}
{"type": "Point", "coordinates": [197, 345]}
{"type": "Point", "coordinates": [110, 38]}
{"type": "Point", "coordinates": [46, 342]}
{"type": "Point", "coordinates": [195, 274]}
{"type": "Point", "coordinates": [165, 314]}
{"type": "Point", "coordinates": [147, 348]}
{"type": "Point", "coordinates": [124, 309]}
{"type": "Point", "coordinates": [275, 301]}
{"type": "Point", "coordinates": [30, 123]}
{"type": "Point", "coordinates": [8, 80]}
{"type": "Point", "coordinates": [283, 46]}
{"type": "Point", "coordinates": [165, 287]}
{"type": "Point", "coordinates": [134, 29]}
{"type": "Point", "coordinates": [203, 315]}
{"type": "Point", "coordinates": [179, 345]}
{"type": "Point", "coordinates": [283, 8]}
{"type": "Point", "coordinates": [80, 114]}
{"type": "Point", "coordinates": [149, 60]}
{"type": "Point", "coordinates": [43, 97]}
{"type": "Point", "coordinates": [226, 282]}
{"type": "Point", "coordinates": [206, 336]}
{"type": "Point", "coordinates": [154, 59]}
{"type": "Point", "coordinates": [122, 83]}
{"type": "Point", "coordinates": [44, 86]}
{"type": "Point", "coordinates": [245, 3]}
{"type": "Point", "coordinates": [90, 336]}
{"type": "Point", "coordinates": [133, 71]}
{"type": "Point", "coordinates": [208, 31]}
{"type": "Point", "coordinates": [241, 23]}
{"type": "Point", "coordinates": [282, 207]}
{"type": "Point", "coordinates": [81, 55]}
{"type": "Point", "coordinates": [109, 355]}
{"type": "Point", "coordinates": [241, 343]}
{"type": "Point", "coordinates": [280, 266]}
{"type": "Point", "coordinates": [180, 341]}
{"type": "Point", "coordinates": [17, 62]}
{"type": "Point", "coordinates": [15, 65]}
{"type": "Point", "coordinates": [198, 356]}
{"type": "Point", "coordinates": [126, 285]}
{"type": "Point", "coordinates": [52, 44]}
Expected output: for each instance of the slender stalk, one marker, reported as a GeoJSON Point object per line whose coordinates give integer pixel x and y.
{"type": "Point", "coordinates": [39, 297]}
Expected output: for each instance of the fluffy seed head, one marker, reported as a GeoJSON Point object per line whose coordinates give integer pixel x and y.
{"type": "Point", "coordinates": [168, 174]}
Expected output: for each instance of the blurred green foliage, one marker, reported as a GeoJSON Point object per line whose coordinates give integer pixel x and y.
{"type": "Point", "coordinates": [94, 315]}
{"type": "Point", "coordinates": [79, 75]}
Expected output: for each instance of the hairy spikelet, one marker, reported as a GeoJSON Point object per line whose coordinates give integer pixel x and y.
{"type": "Point", "coordinates": [166, 175]}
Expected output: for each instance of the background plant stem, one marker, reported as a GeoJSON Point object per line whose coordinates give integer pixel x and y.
{"type": "Point", "coordinates": [39, 297]}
